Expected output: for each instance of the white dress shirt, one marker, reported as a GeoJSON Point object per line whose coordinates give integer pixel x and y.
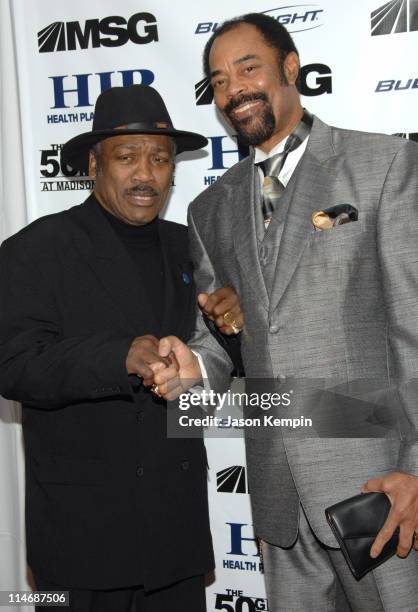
{"type": "Point", "coordinates": [290, 164]}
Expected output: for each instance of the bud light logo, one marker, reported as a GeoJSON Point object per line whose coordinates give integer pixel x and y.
{"type": "Point", "coordinates": [397, 85]}
{"type": "Point", "coordinates": [297, 17]}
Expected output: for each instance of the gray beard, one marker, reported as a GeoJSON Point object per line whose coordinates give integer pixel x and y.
{"type": "Point", "coordinates": [257, 135]}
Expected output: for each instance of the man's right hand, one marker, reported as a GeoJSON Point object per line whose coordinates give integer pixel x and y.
{"type": "Point", "coordinates": [222, 306]}
{"type": "Point", "coordinates": [177, 377]}
{"type": "Point", "coordinates": [143, 352]}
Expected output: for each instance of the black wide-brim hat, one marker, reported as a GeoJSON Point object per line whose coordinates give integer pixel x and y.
{"type": "Point", "coordinates": [138, 109]}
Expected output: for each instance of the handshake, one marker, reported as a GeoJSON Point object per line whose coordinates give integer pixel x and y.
{"type": "Point", "coordinates": [167, 365]}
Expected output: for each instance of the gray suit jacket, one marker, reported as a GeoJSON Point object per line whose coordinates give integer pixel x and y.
{"type": "Point", "coordinates": [342, 308]}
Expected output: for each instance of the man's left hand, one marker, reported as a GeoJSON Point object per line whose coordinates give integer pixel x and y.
{"type": "Point", "coordinates": [402, 490]}
{"type": "Point", "coordinates": [223, 307]}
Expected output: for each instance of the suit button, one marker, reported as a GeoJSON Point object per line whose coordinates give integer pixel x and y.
{"type": "Point", "coordinates": [184, 465]}
{"type": "Point", "coordinates": [140, 416]}
{"type": "Point", "coordinates": [274, 328]}
{"type": "Point", "coordinates": [139, 471]}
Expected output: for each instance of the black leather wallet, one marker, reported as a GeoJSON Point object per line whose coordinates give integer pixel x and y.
{"type": "Point", "coordinates": [356, 522]}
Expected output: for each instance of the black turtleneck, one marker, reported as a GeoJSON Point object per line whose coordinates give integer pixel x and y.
{"type": "Point", "coordinates": [143, 245]}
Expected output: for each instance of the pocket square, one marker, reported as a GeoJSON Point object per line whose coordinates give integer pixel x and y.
{"type": "Point", "coordinates": [336, 215]}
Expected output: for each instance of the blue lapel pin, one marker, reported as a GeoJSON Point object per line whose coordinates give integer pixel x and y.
{"type": "Point", "coordinates": [186, 278]}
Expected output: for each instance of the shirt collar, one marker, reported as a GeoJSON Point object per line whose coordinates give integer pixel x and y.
{"type": "Point", "coordinates": [260, 155]}
{"type": "Point", "coordinates": [302, 130]}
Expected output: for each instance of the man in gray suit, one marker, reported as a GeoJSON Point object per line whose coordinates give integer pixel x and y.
{"type": "Point", "coordinates": [327, 297]}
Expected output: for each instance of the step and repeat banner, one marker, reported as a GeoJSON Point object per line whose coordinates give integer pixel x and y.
{"type": "Point", "coordinates": [359, 70]}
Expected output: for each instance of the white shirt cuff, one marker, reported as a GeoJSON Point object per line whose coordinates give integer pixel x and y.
{"type": "Point", "coordinates": [205, 381]}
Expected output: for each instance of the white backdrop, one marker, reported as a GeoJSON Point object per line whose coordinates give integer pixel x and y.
{"type": "Point", "coordinates": [359, 71]}
{"type": "Point", "coordinates": [12, 217]}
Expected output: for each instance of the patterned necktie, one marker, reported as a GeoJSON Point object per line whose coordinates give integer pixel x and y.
{"type": "Point", "coordinates": [272, 188]}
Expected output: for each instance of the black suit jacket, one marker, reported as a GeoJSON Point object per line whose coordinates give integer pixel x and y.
{"type": "Point", "coordinates": [111, 502]}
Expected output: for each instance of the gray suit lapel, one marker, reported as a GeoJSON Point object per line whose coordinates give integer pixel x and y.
{"type": "Point", "coordinates": [310, 188]}
{"type": "Point", "coordinates": [246, 230]}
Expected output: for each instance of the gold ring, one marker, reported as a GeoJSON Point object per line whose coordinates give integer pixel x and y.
{"type": "Point", "coordinates": [154, 390]}
{"type": "Point", "coordinates": [236, 329]}
{"type": "Point", "coordinates": [230, 319]}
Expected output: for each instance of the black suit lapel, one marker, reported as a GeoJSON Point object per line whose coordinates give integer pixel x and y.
{"type": "Point", "coordinates": [109, 261]}
{"type": "Point", "coordinates": [179, 295]}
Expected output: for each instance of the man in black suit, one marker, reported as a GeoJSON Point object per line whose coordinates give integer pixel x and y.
{"type": "Point", "coordinates": [116, 512]}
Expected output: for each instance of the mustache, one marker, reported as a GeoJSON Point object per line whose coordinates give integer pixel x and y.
{"type": "Point", "coordinates": [242, 99]}
{"type": "Point", "coordinates": [142, 189]}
